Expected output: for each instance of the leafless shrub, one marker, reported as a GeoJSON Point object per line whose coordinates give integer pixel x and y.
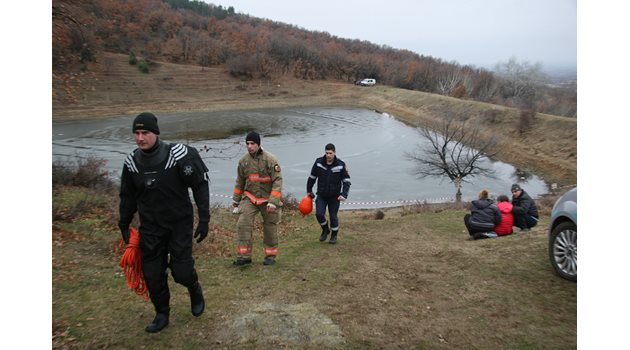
{"type": "Point", "coordinates": [289, 202]}
{"type": "Point", "coordinates": [72, 204]}
{"type": "Point", "coordinates": [425, 207]}
{"type": "Point", "coordinates": [525, 121]}
{"type": "Point", "coordinates": [493, 115]}
{"type": "Point", "coordinates": [459, 91]}
{"type": "Point", "coordinates": [89, 173]}
{"type": "Point", "coordinates": [241, 67]}
{"type": "Point", "coordinates": [545, 203]}
{"type": "Point", "coordinates": [376, 215]}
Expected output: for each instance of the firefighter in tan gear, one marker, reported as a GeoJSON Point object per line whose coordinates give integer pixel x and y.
{"type": "Point", "coordinates": [258, 189]}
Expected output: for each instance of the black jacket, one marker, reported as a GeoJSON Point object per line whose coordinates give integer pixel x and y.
{"type": "Point", "coordinates": [484, 214]}
{"type": "Point", "coordinates": [332, 180]}
{"type": "Point", "coordinates": [156, 185]}
{"type": "Point", "coordinates": [524, 204]}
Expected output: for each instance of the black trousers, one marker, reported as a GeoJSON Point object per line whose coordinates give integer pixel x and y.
{"type": "Point", "coordinates": [525, 221]}
{"type": "Point", "coordinates": [168, 246]}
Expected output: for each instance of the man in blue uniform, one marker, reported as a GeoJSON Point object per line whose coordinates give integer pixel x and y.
{"type": "Point", "coordinates": [154, 182]}
{"type": "Point", "coordinates": [333, 185]}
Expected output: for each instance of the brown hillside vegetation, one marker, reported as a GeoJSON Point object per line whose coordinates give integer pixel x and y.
{"type": "Point", "coordinates": [197, 33]}
{"type": "Point", "coordinates": [113, 87]}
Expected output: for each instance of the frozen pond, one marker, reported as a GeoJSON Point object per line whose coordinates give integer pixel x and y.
{"type": "Point", "coordinates": [372, 145]}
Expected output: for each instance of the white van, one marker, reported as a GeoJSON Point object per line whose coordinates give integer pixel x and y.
{"type": "Point", "coordinates": [367, 82]}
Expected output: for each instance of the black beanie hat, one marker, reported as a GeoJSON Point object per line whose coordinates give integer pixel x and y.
{"type": "Point", "coordinates": [254, 137]}
{"type": "Point", "coordinates": [146, 121]}
{"type": "Point", "coordinates": [516, 187]}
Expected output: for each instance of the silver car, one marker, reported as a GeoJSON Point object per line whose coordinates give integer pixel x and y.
{"type": "Point", "coordinates": [563, 236]}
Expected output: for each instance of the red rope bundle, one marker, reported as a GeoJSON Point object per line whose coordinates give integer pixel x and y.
{"type": "Point", "coordinates": [131, 262]}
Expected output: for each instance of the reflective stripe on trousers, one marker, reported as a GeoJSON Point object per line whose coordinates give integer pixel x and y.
{"type": "Point", "coordinates": [321, 202]}
{"type": "Point", "coordinates": [245, 227]}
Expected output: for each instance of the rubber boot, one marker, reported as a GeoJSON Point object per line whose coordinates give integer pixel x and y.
{"type": "Point", "coordinates": [333, 237]}
{"type": "Point", "coordinates": [159, 322]}
{"type": "Point", "coordinates": [325, 232]}
{"type": "Point", "coordinates": [197, 303]}
{"type": "Point", "coordinates": [160, 301]}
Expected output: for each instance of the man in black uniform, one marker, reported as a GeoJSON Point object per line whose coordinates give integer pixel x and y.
{"type": "Point", "coordinates": [154, 182]}
{"type": "Point", "coordinates": [333, 185]}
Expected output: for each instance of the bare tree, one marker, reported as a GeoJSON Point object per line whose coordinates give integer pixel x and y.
{"type": "Point", "coordinates": [455, 150]}
{"type": "Point", "coordinates": [521, 80]}
{"type": "Point", "coordinates": [448, 79]}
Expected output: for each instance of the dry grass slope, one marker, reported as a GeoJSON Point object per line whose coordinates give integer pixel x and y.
{"type": "Point", "coordinates": [411, 280]}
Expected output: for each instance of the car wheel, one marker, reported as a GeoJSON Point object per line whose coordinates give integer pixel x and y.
{"type": "Point", "coordinates": [563, 250]}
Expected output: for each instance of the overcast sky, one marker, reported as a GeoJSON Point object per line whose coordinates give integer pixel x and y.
{"type": "Point", "coordinates": [479, 33]}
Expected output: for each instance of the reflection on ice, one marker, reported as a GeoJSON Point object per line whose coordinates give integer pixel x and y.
{"type": "Point", "coordinates": [371, 144]}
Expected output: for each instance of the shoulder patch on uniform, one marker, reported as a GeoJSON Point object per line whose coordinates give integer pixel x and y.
{"type": "Point", "coordinates": [188, 170]}
{"type": "Point", "coordinates": [276, 168]}
{"type": "Point", "coordinates": [178, 151]}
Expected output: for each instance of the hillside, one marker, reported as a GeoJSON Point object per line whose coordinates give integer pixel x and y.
{"type": "Point", "coordinates": [113, 87]}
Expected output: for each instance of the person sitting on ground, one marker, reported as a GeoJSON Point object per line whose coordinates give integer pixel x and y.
{"type": "Point", "coordinates": [484, 216]}
{"type": "Point", "coordinates": [504, 228]}
{"type": "Point", "coordinates": [523, 208]}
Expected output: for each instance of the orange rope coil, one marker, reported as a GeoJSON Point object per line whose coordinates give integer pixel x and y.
{"type": "Point", "coordinates": [131, 263]}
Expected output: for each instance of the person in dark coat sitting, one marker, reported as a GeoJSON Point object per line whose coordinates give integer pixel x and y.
{"type": "Point", "coordinates": [524, 209]}
{"type": "Point", "coordinates": [484, 216]}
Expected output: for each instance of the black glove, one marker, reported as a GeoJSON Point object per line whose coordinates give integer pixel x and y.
{"type": "Point", "coordinates": [311, 194]}
{"type": "Point", "coordinates": [124, 230]}
{"type": "Point", "coordinates": [201, 231]}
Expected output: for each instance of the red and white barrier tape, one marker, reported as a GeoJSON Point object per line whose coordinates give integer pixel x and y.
{"type": "Point", "coordinates": [371, 203]}
{"type": "Point", "coordinates": [393, 203]}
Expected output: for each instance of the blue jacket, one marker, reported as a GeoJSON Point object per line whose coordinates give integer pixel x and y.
{"type": "Point", "coordinates": [332, 180]}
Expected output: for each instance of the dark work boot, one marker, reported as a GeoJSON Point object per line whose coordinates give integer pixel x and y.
{"type": "Point", "coordinates": [197, 303]}
{"type": "Point", "coordinates": [333, 237]}
{"type": "Point", "coordinates": [159, 322]}
{"type": "Point", "coordinates": [160, 300]}
{"type": "Point", "coordinates": [325, 232]}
